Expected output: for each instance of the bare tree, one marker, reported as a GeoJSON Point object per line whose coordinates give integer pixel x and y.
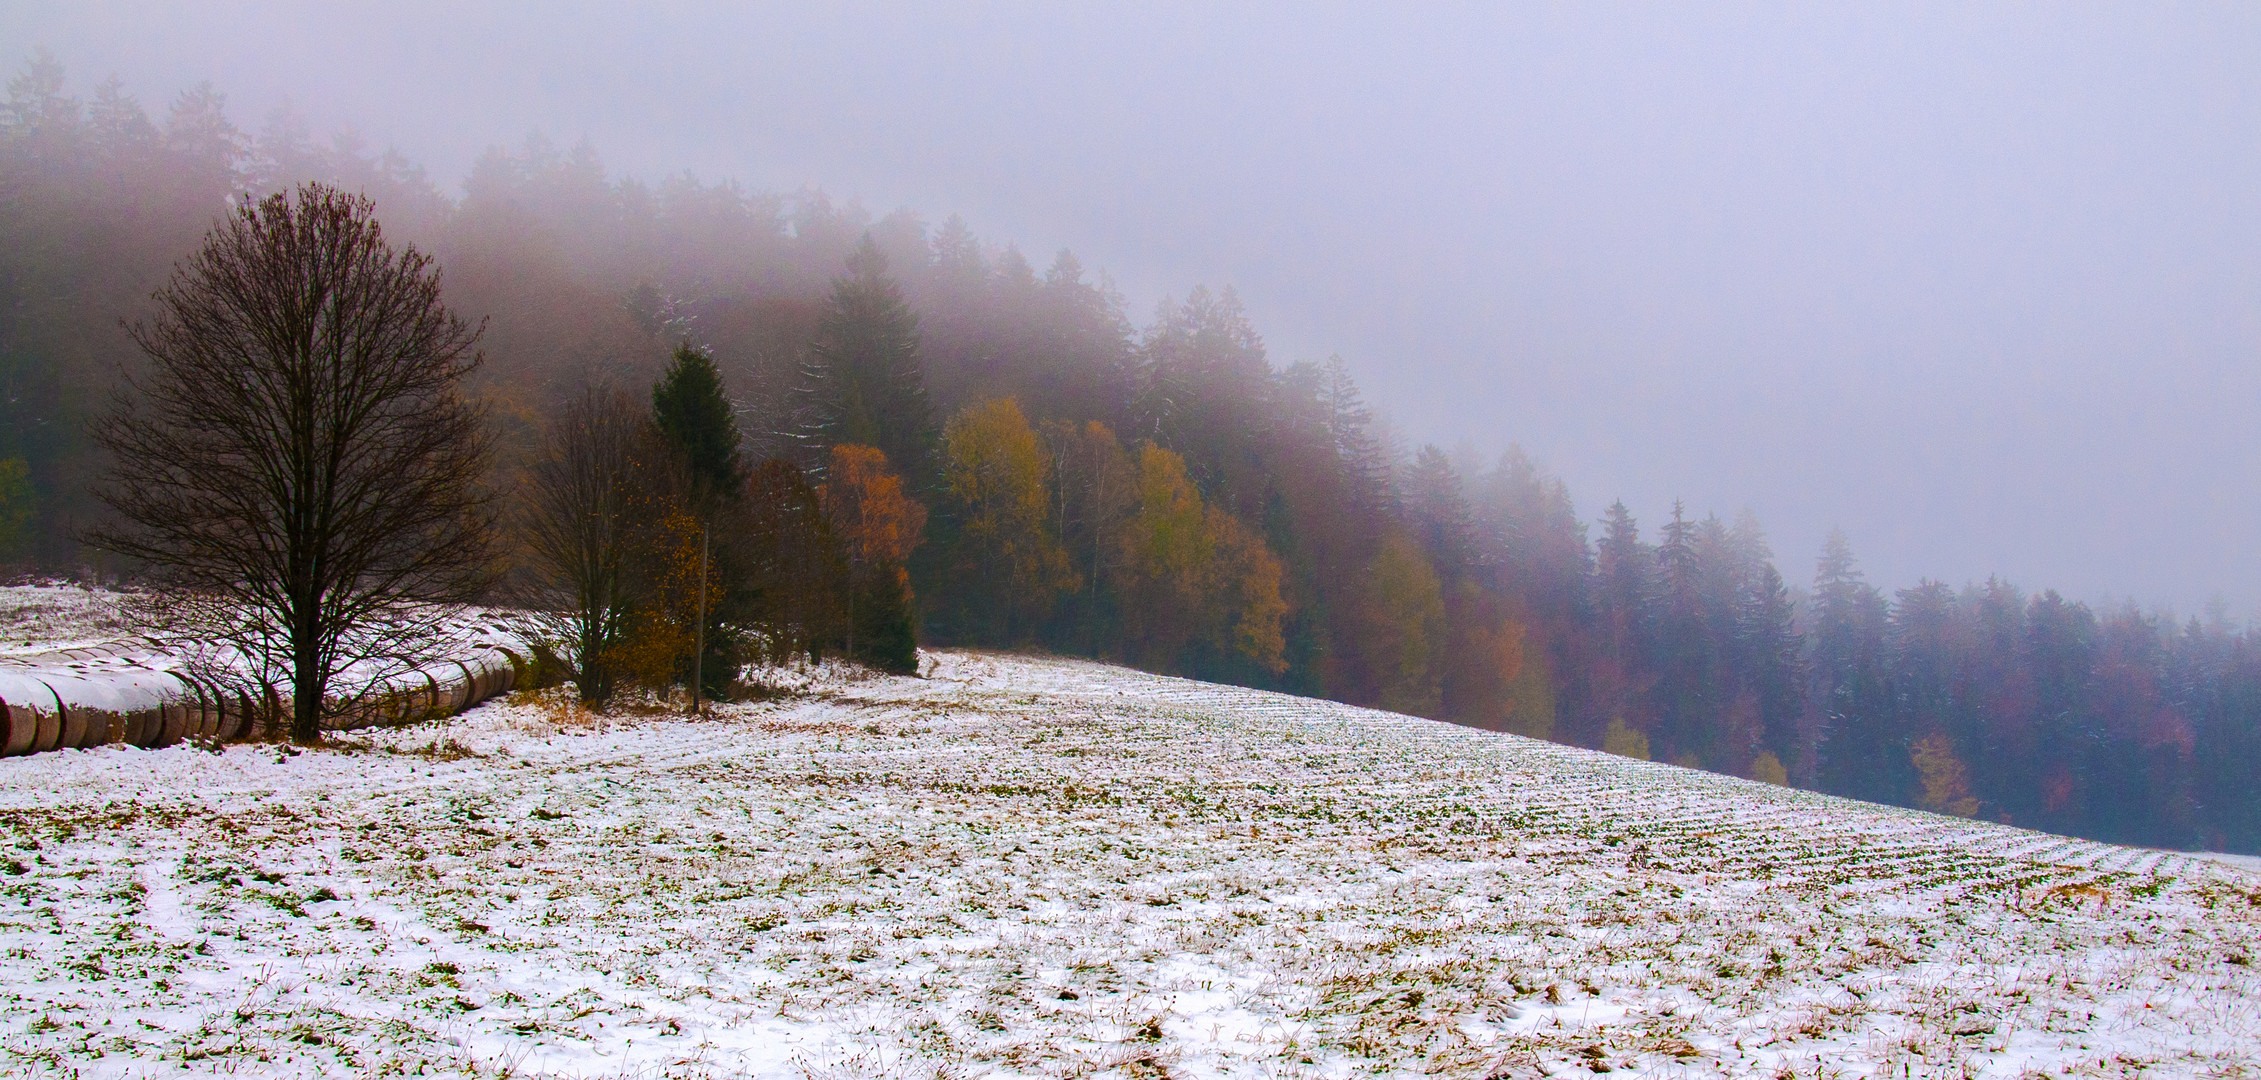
{"type": "Point", "coordinates": [577, 528]}
{"type": "Point", "coordinates": [299, 458]}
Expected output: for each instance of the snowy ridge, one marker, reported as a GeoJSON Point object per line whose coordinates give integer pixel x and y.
{"type": "Point", "coordinates": [1032, 867]}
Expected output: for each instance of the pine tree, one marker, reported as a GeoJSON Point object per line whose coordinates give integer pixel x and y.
{"type": "Point", "coordinates": [1768, 647]}
{"type": "Point", "coordinates": [694, 417]}
{"type": "Point", "coordinates": [1856, 754]}
{"type": "Point", "coordinates": [1350, 426]}
{"type": "Point", "coordinates": [1436, 510]}
{"type": "Point", "coordinates": [863, 384]}
{"type": "Point", "coordinates": [1689, 694]}
{"type": "Point", "coordinates": [1624, 591]}
{"type": "Point", "coordinates": [691, 409]}
{"type": "Point", "coordinates": [1624, 583]}
{"type": "Point", "coordinates": [1208, 386]}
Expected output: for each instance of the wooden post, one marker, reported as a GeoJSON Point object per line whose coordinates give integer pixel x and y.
{"type": "Point", "coordinates": [699, 658]}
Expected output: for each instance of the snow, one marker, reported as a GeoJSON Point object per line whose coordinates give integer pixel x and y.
{"type": "Point", "coordinates": [37, 618]}
{"type": "Point", "coordinates": [1022, 866]}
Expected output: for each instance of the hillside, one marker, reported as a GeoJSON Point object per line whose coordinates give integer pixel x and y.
{"type": "Point", "coordinates": [1036, 867]}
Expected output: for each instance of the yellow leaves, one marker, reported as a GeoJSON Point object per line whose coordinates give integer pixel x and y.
{"type": "Point", "coordinates": [1244, 590]}
{"type": "Point", "coordinates": [1768, 769]}
{"type": "Point", "coordinates": [1405, 622]}
{"type": "Point", "coordinates": [1167, 540]}
{"type": "Point", "coordinates": [663, 628]}
{"type": "Point", "coordinates": [1946, 785]}
{"type": "Point", "coordinates": [995, 469]}
{"type": "Point", "coordinates": [1194, 572]}
{"type": "Point", "coordinates": [1530, 702]}
{"type": "Point", "coordinates": [995, 472]}
{"type": "Point", "coordinates": [1625, 741]}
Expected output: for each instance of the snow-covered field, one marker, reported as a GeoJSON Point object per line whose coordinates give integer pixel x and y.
{"type": "Point", "coordinates": [42, 618]}
{"type": "Point", "coordinates": [1030, 867]}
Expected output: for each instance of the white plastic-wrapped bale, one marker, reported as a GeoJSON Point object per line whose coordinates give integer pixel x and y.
{"type": "Point", "coordinates": [203, 714]}
{"type": "Point", "coordinates": [109, 702]}
{"type": "Point", "coordinates": [33, 721]}
{"type": "Point", "coordinates": [494, 672]}
{"type": "Point", "coordinates": [516, 664]}
{"type": "Point", "coordinates": [455, 686]}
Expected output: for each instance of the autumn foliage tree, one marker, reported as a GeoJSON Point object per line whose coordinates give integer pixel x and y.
{"type": "Point", "coordinates": [1093, 490]}
{"type": "Point", "coordinates": [878, 526]}
{"type": "Point", "coordinates": [1007, 567]}
{"type": "Point", "coordinates": [671, 584]}
{"type": "Point", "coordinates": [1404, 615]}
{"type": "Point", "coordinates": [1193, 578]}
{"type": "Point", "coordinates": [1413, 579]}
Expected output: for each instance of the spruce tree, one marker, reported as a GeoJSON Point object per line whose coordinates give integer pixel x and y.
{"type": "Point", "coordinates": [1855, 751]}
{"type": "Point", "coordinates": [1769, 651]}
{"type": "Point", "coordinates": [690, 408]}
{"type": "Point", "coordinates": [1436, 509]}
{"type": "Point", "coordinates": [864, 384]}
{"type": "Point", "coordinates": [694, 417]}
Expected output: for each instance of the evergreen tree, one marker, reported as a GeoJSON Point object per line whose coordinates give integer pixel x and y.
{"type": "Point", "coordinates": [1767, 650]}
{"type": "Point", "coordinates": [1207, 395]}
{"type": "Point", "coordinates": [1436, 510]}
{"type": "Point", "coordinates": [863, 384]}
{"type": "Point", "coordinates": [1625, 582]}
{"type": "Point", "coordinates": [1859, 755]}
{"type": "Point", "coordinates": [693, 416]}
{"type": "Point", "coordinates": [691, 409]}
{"type": "Point", "coordinates": [2059, 656]}
{"type": "Point", "coordinates": [1350, 428]}
{"type": "Point", "coordinates": [1623, 593]}
{"type": "Point", "coordinates": [1687, 692]}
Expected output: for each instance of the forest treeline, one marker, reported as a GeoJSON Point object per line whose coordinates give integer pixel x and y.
{"type": "Point", "coordinates": [928, 435]}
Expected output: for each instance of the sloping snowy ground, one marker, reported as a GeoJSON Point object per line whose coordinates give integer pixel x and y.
{"type": "Point", "coordinates": [1046, 868]}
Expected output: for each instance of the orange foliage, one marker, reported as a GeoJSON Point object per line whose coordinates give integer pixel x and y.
{"type": "Point", "coordinates": [875, 521]}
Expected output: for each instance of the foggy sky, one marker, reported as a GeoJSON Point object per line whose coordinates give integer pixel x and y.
{"type": "Point", "coordinates": [1979, 284]}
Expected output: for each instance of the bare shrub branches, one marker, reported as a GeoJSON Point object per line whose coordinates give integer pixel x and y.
{"type": "Point", "coordinates": [576, 527]}
{"type": "Point", "coordinates": [299, 454]}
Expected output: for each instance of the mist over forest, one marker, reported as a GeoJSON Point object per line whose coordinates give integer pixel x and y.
{"type": "Point", "coordinates": [1154, 488]}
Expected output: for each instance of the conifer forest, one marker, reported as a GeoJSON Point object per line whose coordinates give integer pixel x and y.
{"type": "Point", "coordinates": [731, 426]}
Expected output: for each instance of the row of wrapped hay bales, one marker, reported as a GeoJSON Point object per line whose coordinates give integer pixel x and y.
{"type": "Point", "coordinates": [432, 691]}
{"type": "Point", "coordinates": [83, 698]}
